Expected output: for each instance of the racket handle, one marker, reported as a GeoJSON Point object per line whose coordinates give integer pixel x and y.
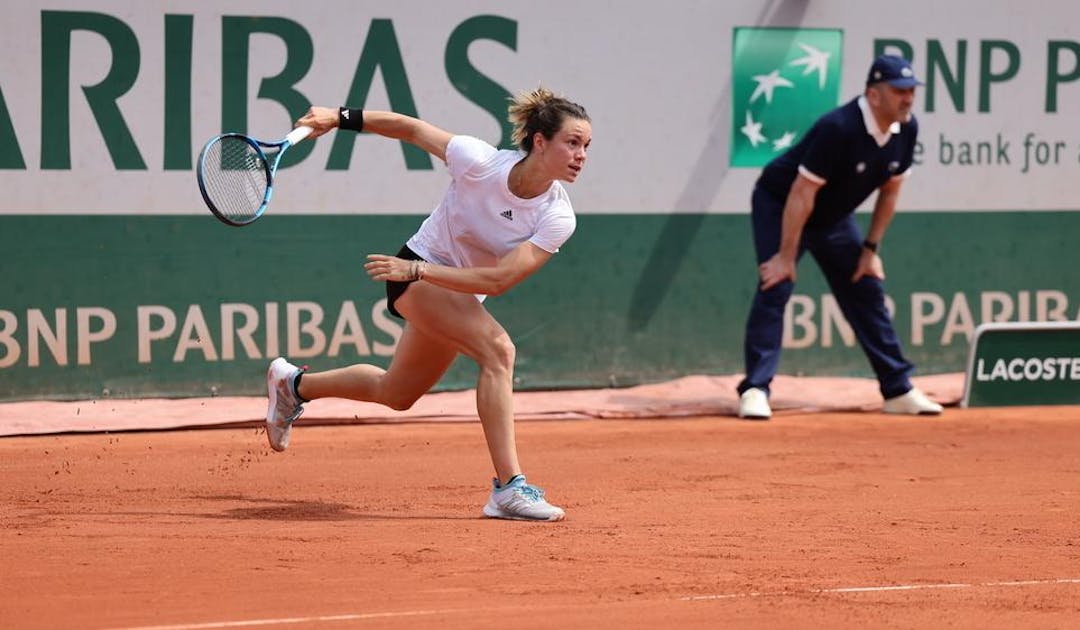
{"type": "Point", "coordinates": [298, 134]}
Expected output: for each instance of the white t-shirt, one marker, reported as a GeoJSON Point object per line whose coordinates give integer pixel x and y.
{"type": "Point", "coordinates": [479, 220]}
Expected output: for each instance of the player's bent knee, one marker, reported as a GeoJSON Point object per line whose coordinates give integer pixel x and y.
{"type": "Point", "coordinates": [401, 403]}
{"type": "Point", "coordinates": [388, 394]}
{"type": "Point", "coordinates": [495, 354]}
{"type": "Point", "coordinates": [503, 352]}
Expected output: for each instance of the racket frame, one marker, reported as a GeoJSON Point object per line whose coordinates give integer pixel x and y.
{"type": "Point", "coordinates": [294, 136]}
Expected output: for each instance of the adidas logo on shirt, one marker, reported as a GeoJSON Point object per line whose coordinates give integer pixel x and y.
{"type": "Point", "coordinates": [507, 214]}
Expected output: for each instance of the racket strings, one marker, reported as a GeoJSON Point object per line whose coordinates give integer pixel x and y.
{"type": "Point", "coordinates": [235, 178]}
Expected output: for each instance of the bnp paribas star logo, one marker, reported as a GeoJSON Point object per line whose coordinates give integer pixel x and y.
{"type": "Point", "coordinates": [783, 79]}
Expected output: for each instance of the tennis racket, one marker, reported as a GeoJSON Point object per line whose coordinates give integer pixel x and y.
{"type": "Point", "coordinates": [236, 176]}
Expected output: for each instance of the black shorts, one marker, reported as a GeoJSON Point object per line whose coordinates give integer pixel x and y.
{"type": "Point", "coordinates": [394, 288]}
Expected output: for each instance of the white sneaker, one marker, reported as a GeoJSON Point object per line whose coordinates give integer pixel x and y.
{"type": "Point", "coordinates": [285, 407]}
{"type": "Point", "coordinates": [519, 501]}
{"type": "Point", "coordinates": [754, 404]}
{"type": "Point", "coordinates": [913, 403]}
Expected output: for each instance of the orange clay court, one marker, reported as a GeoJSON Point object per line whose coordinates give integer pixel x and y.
{"type": "Point", "coordinates": [820, 518]}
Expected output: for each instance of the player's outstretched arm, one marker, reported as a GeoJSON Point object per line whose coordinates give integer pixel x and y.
{"type": "Point", "coordinates": [389, 124]}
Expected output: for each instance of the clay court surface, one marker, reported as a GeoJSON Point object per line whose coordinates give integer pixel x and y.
{"type": "Point", "coordinates": [811, 520]}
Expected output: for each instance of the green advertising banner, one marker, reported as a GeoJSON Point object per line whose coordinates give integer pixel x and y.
{"type": "Point", "coordinates": [129, 306]}
{"type": "Point", "coordinates": [1028, 363]}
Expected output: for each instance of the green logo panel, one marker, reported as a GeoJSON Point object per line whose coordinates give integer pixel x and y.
{"type": "Point", "coordinates": [783, 79]}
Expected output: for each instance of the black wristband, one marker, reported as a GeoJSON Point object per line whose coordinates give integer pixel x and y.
{"type": "Point", "coordinates": [350, 119]}
{"type": "Point", "coordinates": [870, 245]}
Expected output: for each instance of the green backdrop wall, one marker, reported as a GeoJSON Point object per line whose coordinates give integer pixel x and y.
{"type": "Point", "coordinates": [630, 299]}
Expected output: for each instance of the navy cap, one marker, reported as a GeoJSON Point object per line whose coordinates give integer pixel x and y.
{"type": "Point", "coordinates": [896, 71]}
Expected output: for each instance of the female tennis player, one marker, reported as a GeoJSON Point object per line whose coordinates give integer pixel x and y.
{"type": "Point", "coordinates": [503, 217]}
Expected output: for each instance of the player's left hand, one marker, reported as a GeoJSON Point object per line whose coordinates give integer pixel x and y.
{"type": "Point", "coordinates": [869, 265]}
{"type": "Point", "coordinates": [382, 268]}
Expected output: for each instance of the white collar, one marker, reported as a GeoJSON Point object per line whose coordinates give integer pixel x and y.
{"type": "Point", "coordinates": [879, 136]}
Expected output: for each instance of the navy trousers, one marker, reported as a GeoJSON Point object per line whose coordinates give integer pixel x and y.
{"type": "Point", "coordinates": [836, 248]}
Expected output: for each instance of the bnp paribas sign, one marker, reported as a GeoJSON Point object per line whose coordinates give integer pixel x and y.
{"type": "Point", "coordinates": [783, 79]}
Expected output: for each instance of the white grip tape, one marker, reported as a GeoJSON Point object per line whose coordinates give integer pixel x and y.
{"type": "Point", "coordinates": [298, 134]}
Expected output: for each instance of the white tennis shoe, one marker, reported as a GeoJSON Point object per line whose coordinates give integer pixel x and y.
{"type": "Point", "coordinates": [284, 405]}
{"type": "Point", "coordinates": [913, 403]}
{"type": "Point", "coordinates": [754, 404]}
{"type": "Point", "coordinates": [520, 501]}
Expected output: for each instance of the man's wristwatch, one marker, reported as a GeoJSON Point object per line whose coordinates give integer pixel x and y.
{"type": "Point", "coordinates": [870, 245]}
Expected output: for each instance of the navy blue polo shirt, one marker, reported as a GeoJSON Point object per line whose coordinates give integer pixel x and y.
{"type": "Point", "coordinates": [840, 150]}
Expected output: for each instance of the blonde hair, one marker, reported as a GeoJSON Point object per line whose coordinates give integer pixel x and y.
{"type": "Point", "coordinates": [540, 110]}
